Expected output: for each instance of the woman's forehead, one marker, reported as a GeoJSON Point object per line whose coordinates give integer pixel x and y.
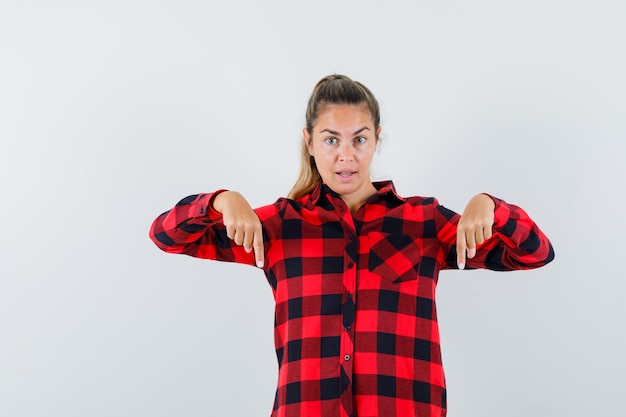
{"type": "Point", "coordinates": [345, 116]}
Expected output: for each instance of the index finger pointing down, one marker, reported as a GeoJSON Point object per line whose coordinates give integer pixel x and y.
{"type": "Point", "coordinates": [461, 246]}
{"type": "Point", "coordinates": [259, 249]}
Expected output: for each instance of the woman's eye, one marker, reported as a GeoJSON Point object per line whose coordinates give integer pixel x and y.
{"type": "Point", "coordinates": [360, 139]}
{"type": "Point", "coordinates": [331, 141]}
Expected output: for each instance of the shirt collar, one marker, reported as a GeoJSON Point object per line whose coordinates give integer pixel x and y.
{"type": "Point", "coordinates": [385, 190]}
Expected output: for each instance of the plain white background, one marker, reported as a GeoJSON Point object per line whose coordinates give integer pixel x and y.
{"type": "Point", "coordinates": [111, 111]}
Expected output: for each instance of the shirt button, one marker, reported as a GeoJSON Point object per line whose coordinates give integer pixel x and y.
{"type": "Point", "coordinates": [347, 357]}
{"type": "Point", "coordinates": [351, 236]}
{"type": "Point", "coordinates": [348, 296]}
{"type": "Point", "coordinates": [350, 265]}
{"type": "Point", "coordinates": [348, 328]}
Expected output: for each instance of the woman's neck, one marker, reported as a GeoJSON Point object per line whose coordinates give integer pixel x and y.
{"type": "Point", "coordinates": [355, 200]}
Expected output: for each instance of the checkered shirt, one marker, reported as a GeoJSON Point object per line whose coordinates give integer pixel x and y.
{"type": "Point", "coordinates": [356, 330]}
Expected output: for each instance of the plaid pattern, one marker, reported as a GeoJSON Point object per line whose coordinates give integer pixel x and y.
{"type": "Point", "coordinates": [356, 329]}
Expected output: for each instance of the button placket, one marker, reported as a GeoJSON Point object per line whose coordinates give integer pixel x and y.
{"type": "Point", "coordinates": [348, 309]}
{"type": "Point", "coordinates": [348, 306]}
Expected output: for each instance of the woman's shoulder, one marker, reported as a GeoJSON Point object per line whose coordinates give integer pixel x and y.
{"type": "Point", "coordinates": [421, 200]}
{"type": "Point", "coordinates": [387, 189]}
{"type": "Point", "coordinates": [279, 207]}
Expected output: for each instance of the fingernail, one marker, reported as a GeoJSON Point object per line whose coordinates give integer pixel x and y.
{"type": "Point", "coordinates": [259, 264]}
{"type": "Point", "coordinates": [461, 266]}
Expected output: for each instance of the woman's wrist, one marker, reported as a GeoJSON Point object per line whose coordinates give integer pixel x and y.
{"type": "Point", "coordinates": [220, 200]}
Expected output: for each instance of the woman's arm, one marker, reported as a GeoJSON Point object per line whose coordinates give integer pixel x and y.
{"type": "Point", "coordinates": [474, 227]}
{"type": "Point", "coordinates": [495, 234]}
{"type": "Point", "coordinates": [220, 226]}
{"type": "Point", "coordinates": [242, 223]}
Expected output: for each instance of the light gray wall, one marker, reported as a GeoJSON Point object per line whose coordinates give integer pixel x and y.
{"type": "Point", "coordinates": [111, 111]}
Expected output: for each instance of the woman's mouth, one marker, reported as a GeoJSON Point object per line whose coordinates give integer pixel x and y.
{"type": "Point", "coordinates": [345, 176]}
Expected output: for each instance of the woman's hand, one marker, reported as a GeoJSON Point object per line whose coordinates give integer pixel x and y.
{"type": "Point", "coordinates": [242, 224]}
{"type": "Point", "coordinates": [475, 226]}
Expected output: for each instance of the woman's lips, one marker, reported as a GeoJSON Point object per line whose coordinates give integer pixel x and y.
{"type": "Point", "coordinates": [345, 176]}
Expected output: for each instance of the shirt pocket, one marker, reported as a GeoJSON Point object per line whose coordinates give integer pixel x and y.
{"type": "Point", "coordinates": [395, 257]}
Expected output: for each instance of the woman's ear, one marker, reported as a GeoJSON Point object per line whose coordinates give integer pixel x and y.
{"type": "Point", "coordinates": [307, 141]}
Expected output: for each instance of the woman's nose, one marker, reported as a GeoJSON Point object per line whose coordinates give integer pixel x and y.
{"type": "Point", "coordinates": [346, 153]}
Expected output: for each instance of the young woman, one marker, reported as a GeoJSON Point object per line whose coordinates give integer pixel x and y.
{"type": "Point", "coordinates": [353, 266]}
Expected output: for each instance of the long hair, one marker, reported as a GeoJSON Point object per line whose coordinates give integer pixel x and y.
{"type": "Point", "coordinates": [332, 89]}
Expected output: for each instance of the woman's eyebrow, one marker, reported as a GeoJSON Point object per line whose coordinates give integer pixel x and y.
{"type": "Point", "coordinates": [332, 132]}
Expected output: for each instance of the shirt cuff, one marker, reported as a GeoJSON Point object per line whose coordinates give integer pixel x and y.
{"type": "Point", "coordinates": [501, 212]}
{"type": "Point", "coordinates": [203, 206]}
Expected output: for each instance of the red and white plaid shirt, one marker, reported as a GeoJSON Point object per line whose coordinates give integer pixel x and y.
{"type": "Point", "coordinates": [356, 329]}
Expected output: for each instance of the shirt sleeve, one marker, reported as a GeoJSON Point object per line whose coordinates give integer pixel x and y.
{"type": "Point", "coordinates": [516, 243]}
{"type": "Point", "coordinates": [193, 227]}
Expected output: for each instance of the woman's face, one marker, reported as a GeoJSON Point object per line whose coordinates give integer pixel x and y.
{"type": "Point", "coordinates": [343, 145]}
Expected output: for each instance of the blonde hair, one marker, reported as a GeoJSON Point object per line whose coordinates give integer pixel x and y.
{"type": "Point", "coordinates": [332, 89]}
